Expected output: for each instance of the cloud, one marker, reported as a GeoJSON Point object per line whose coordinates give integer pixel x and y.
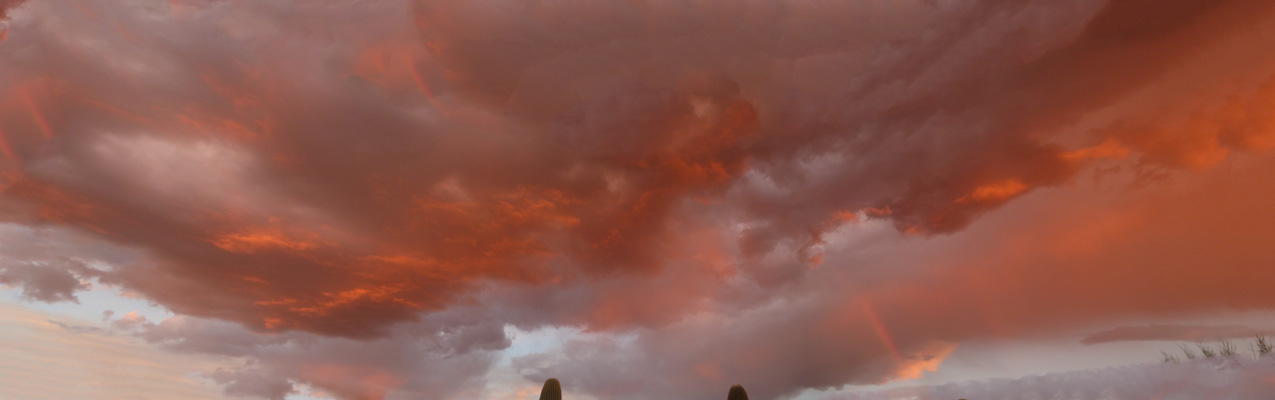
{"type": "Point", "coordinates": [897, 304]}
{"type": "Point", "coordinates": [1194, 333]}
{"type": "Point", "coordinates": [53, 361]}
{"type": "Point", "coordinates": [1224, 378]}
{"type": "Point", "coordinates": [253, 383]}
{"type": "Point", "coordinates": [321, 187]}
{"type": "Point", "coordinates": [777, 350]}
{"type": "Point", "coordinates": [81, 329]}
{"type": "Point", "coordinates": [441, 356]}
{"type": "Point", "coordinates": [43, 283]}
{"type": "Point", "coordinates": [6, 5]}
{"type": "Point", "coordinates": [51, 264]}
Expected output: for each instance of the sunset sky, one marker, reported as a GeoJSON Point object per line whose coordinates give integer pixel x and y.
{"type": "Point", "coordinates": [421, 199]}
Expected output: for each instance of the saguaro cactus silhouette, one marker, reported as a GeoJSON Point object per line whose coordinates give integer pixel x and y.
{"type": "Point", "coordinates": [552, 390]}
{"type": "Point", "coordinates": [737, 393]}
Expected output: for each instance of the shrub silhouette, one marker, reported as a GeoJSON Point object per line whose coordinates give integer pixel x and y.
{"type": "Point", "coordinates": [1206, 351]}
{"type": "Point", "coordinates": [552, 390]}
{"type": "Point", "coordinates": [1226, 348]}
{"type": "Point", "coordinates": [1186, 351]}
{"type": "Point", "coordinates": [737, 393]}
{"type": "Point", "coordinates": [1262, 347]}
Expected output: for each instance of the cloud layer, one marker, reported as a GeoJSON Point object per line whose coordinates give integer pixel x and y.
{"type": "Point", "coordinates": [50, 361]}
{"type": "Point", "coordinates": [362, 195]}
{"type": "Point", "coordinates": [1195, 333]}
{"type": "Point", "coordinates": [1223, 378]}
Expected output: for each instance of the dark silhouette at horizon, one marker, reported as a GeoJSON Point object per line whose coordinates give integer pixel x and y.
{"type": "Point", "coordinates": [552, 390]}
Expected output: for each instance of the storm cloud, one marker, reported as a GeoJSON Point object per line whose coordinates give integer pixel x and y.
{"type": "Point", "coordinates": [363, 195]}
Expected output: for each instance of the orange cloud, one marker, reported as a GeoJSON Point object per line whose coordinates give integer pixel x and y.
{"type": "Point", "coordinates": [1109, 149]}
{"type": "Point", "coordinates": [252, 242]}
{"type": "Point", "coordinates": [998, 191]}
{"type": "Point", "coordinates": [646, 167]}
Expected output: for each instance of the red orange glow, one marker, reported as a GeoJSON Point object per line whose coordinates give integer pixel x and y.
{"type": "Point", "coordinates": [997, 191]}
{"type": "Point", "coordinates": [251, 242]}
{"type": "Point", "coordinates": [1111, 148]}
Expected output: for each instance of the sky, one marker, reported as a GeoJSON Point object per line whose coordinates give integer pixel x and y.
{"type": "Point", "coordinates": [407, 199]}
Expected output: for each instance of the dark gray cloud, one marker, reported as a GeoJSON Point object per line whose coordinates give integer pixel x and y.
{"type": "Point", "coordinates": [252, 382]}
{"type": "Point", "coordinates": [51, 264]}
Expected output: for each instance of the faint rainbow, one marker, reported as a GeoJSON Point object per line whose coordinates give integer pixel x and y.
{"type": "Point", "coordinates": [875, 321]}
{"type": "Point", "coordinates": [37, 115]}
